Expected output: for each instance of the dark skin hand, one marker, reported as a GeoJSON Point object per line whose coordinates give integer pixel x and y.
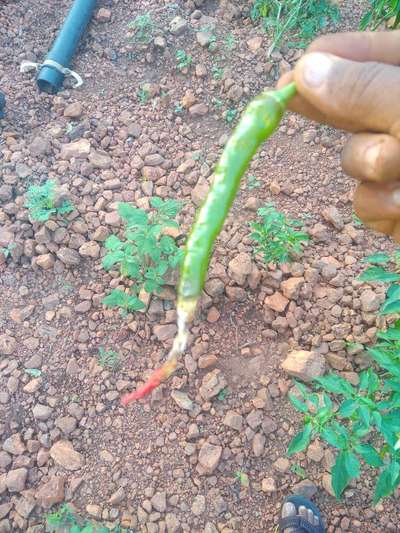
{"type": "Point", "coordinates": [351, 81]}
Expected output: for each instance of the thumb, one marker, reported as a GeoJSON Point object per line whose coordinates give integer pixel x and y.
{"type": "Point", "coordinates": [352, 95]}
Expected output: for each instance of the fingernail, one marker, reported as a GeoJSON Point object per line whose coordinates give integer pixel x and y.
{"type": "Point", "coordinates": [315, 69]}
{"type": "Point", "coordinates": [396, 197]}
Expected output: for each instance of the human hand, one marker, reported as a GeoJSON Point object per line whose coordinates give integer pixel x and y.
{"type": "Point", "coordinates": [352, 81]}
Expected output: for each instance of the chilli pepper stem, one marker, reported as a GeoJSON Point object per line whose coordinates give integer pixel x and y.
{"type": "Point", "coordinates": [260, 119]}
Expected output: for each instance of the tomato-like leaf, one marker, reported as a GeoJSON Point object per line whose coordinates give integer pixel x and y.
{"type": "Point", "coordinates": [301, 440]}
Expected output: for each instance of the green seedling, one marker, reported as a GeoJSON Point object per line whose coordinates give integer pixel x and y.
{"type": "Point", "coordinates": [230, 42]}
{"type": "Point", "coordinates": [243, 478]}
{"type": "Point", "coordinates": [6, 250]}
{"type": "Point", "coordinates": [294, 21]}
{"type": "Point", "coordinates": [364, 425]}
{"type": "Point", "coordinates": [179, 109]}
{"type": "Point", "coordinates": [219, 104]}
{"type": "Point", "coordinates": [231, 115]}
{"type": "Point", "coordinates": [356, 221]}
{"type": "Point", "coordinates": [144, 28]}
{"type": "Point", "coordinates": [145, 254]}
{"type": "Point", "coordinates": [65, 519]}
{"type": "Point", "coordinates": [381, 11]}
{"type": "Point", "coordinates": [299, 471]}
{"type": "Point", "coordinates": [223, 394]}
{"type": "Point", "coordinates": [217, 72]}
{"type": "Point", "coordinates": [183, 61]}
{"type": "Point", "coordinates": [42, 202]}
{"type": "Point", "coordinates": [253, 182]}
{"type": "Point", "coordinates": [212, 44]}
{"type": "Point", "coordinates": [34, 372]}
{"type": "Point", "coordinates": [278, 237]}
{"type": "Point", "coordinates": [109, 358]}
{"type": "Point", "coordinates": [143, 95]}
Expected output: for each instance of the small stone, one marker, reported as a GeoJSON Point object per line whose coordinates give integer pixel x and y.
{"type": "Point", "coordinates": [233, 420]}
{"type": "Point", "coordinates": [204, 38]}
{"type": "Point", "coordinates": [164, 332]}
{"type": "Point", "coordinates": [67, 424]}
{"type": "Point", "coordinates": [327, 484]}
{"type": "Point", "coordinates": [277, 302]}
{"type": "Point", "coordinates": [103, 15]}
{"type": "Point", "coordinates": [68, 256]}
{"type": "Point", "coordinates": [240, 267]}
{"type": "Point", "coordinates": [182, 400]}
{"type": "Point", "coordinates": [14, 445]}
{"type": "Point", "coordinates": [305, 488]}
{"type": "Point", "coordinates": [42, 412]}
{"type": "Point", "coordinates": [159, 501]}
{"type": "Point", "coordinates": [94, 510]}
{"type": "Point", "coordinates": [370, 301]}
{"type": "Point", "coordinates": [6, 237]}
{"type": "Point", "coordinates": [51, 492]}
{"type": "Point", "coordinates": [199, 192]}
{"type": "Point", "coordinates": [258, 444]}
{"type": "Point", "coordinates": [63, 453]}
{"type": "Point", "coordinates": [90, 249]}
{"type": "Point", "coordinates": [198, 110]}
{"type": "Point", "coordinates": [100, 160]}
{"type": "Point", "coordinates": [39, 146]}
{"type": "Point", "coordinates": [332, 215]}
{"type": "Point", "coordinates": [16, 479]}
{"type": "Point", "coordinates": [282, 465]}
{"type": "Point", "coordinates": [254, 418]}
{"type": "Point", "coordinates": [209, 457]}
{"type": "Point", "coordinates": [255, 43]}
{"type": "Point", "coordinates": [73, 110]}
{"type": "Point", "coordinates": [172, 523]}
{"type": "Point", "coordinates": [117, 497]}
{"type": "Point", "coordinates": [178, 25]}
{"type": "Point", "coordinates": [112, 219]}
{"type": "Point", "coordinates": [315, 452]}
{"type": "Point", "coordinates": [199, 505]}
{"type": "Point", "coordinates": [291, 287]}
{"type": "Point", "coordinates": [268, 485]}
{"type": "Point", "coordinates": [212, 384]}
{"type": "Point", "coordinates": [160, 42]}
{"type": "Point", "coordinates": [8, 345]}
{"type": "Point", "coordinates": [45, 261]}
{"type": "Point", "coordinates": [5, 508]}
{"type": "Point", "coordinates": [213, 315]}
{"type": "Point", "coordinates": [304, 365]}
{"type": "Point", "coordinates": [205, 361]}
{"type": "Point", "coordinates": [77, 149]}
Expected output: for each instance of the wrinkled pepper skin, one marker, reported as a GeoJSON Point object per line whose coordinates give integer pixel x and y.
{"type": "Point", "coordinates": [259, 120]}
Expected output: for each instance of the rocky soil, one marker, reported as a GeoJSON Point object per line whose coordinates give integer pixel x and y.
{"type": "Point", "coordinates": [139, 127]}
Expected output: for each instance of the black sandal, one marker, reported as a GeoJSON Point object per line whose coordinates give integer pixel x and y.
{"type": "Point", "coordinates": [300, 524]}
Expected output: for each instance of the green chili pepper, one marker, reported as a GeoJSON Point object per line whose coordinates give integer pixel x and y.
{"type": "Point", "coordinates": [259, 120]}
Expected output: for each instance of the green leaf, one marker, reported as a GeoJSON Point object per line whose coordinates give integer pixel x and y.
{"type": "Point", "coordinates": [388, 480]}
{"type": "Point", "coordinates": [346, 467]}
{"type": "Point", "coordinates": [378, 258]}
{"type": "Point", "coordinates": [336, 384]}
{"type": "Point", "coordinates": [393, 292]}
{"type": "Point", "coordinates": [347, 408]}
{"type": "Point", "coordinates": [301, 440]}
{"type": "Point", "coordinates": [34, 372]}
{"type": "Point", "coordinates": [392, 334]}
{"type": "Point", "coordinates": [378, 274]}
{"type": "Point", "coordinates": [110, 259]}
{"type": "Point", "coordinates": [156, 202]}
{"type": "Point", "coordinates": [132, 215]}
{"type": "Point", "coordinates": [300, 406]}
{"type": "Point", "coordinates": [113, 243]}
{"type": "Point", "coordinates": [390, 307]}
{"type": "Point", "coordinates": [304, 391]}
{"type": "Point", "coordinates": [116, 298]}
{"type": "Point", "coordinates": [369, 454]}
{"type": "Point", "coordinates": [329, 435]}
